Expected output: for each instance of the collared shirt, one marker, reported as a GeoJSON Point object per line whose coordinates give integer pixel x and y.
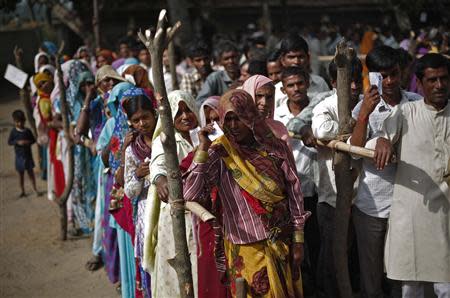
{"type": "Point", "coordinates": [325, 127]}
{"type": "Point", "coordinates": [241, 223]}
{"type": "Point", "coordinates": [305, 157]}
{"type": "Point", "coordinates": [217, 83]}
{"type": "Point", "coordinates": [418, 238]}
{"type": "Point", "coordinates": [375, 188]}
{"type": "Point", "coordinates": [316, 85]}
{"type": "Point", "coordinates": [192, 83]}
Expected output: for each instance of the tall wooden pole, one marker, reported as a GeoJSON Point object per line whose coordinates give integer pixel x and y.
{"type": "Point", "coordinates": [96, 25]}
{"type": "Point", "coordinates": [181, 262]}
{"type": "Point", "coordinates": [62, 200]}
{"type": "Point", "coordinates": [173, 65]}
{"type": "Point", "coordinates": [24, 92]}
{"type": "Point", "coordinates": [344, 181]}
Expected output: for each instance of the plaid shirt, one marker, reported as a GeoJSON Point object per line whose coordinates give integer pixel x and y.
{"type": "Point", "coordinates": [191, 83]}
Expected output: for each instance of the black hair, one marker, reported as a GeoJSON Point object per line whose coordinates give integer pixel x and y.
{"type": "Point", "coordinates": [274, 56]}
{"type": "Point", "coordinates": [294, 71]}
{"type": "Point", "coordinates": [356, 71]}
{"type": "Point", "coordinates": [431, 60]}
{"type": "Point", "coordinates": [404, 58]}
{"type": "Point", "coordinates": [224, 46]}
{"type": "Point", "coordinates": [255, 53]}
{"type": "Point", "coordinates": [257, 67]}
{"type": "Point", "coordinates": [18, 115]}
{"type": "Point", "coordinates": [198, 49]}
{"type": "Point", "coordinates": [133, 104]}
{"type": "Point", "coordinates": [293, 42]}
{"type": "Point", "coordinates": [382, 58]}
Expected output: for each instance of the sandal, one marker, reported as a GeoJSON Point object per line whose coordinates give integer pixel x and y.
{"type": "Point", "coordinates": [94, 263]}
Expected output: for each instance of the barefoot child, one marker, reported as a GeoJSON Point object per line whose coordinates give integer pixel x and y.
{"type": "Point", "coordinates": [22, 138]}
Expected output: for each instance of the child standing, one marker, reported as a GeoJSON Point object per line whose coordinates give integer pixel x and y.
{"type": "Point", "coordinates": [22, 138]}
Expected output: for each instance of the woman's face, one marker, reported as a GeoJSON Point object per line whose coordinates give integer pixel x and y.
{"type": "Point", "coordinates": [45, 86]}
{"type": "Point", "coordinates": [210, 114]}
{"type": "Point", "coordinates": [234, 127]}
{"type": "Point", "coordinates": [143, 121]}
{"type": "Point", "coordinates": [185, 119]}
{"type": "Point", "coordinates": [107, 84]}
{"type": "Point", "coordinates": [265, 99]}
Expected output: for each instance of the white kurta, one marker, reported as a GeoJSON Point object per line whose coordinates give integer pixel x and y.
{"type": "Point", "coordinates": [418, 239]}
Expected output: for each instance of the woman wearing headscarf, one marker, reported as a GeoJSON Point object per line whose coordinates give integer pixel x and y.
{"type": "Point", "coordinates": [104, 57]}
{"type": "Point", "coordinates": [260, 197]}
{"type": "Point", "coordinates": [42, 114]}
{"type": "Point", "coordinates": [142, 120]}
{"type": "Point", "coordinates": [84, 188]}
{"type": "Point", "coordinates": [262, 90]}
{"type": "Point", "coordinates": [159, 243]}
{"type": "Point", "coordinates": [137, 75]}
{"type": "Point", "coordinates": [109, 143]}
{"type": "Point", "coordinates": [209, 278]}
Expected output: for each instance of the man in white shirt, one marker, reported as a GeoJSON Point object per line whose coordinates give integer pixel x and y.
{"type": "Point", "coordinates": [373, 200]}
{"type": "Point", "coordinates": [295, 82]}
{"type": "Point", "coordinates": [418, 237]}
{"type": "Point", "coordinates": [325, 127]}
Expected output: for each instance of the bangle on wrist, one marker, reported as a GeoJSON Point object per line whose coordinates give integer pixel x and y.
{"type": "Point", "coordinates": [298, 237]}
{"type": "Point", "coordinates": [200, 156]}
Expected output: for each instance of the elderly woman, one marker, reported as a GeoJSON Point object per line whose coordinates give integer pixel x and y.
{"type": "Point", "coordinates": [260, 198]}
{"type": "Point", "coordinates": [157, 250]}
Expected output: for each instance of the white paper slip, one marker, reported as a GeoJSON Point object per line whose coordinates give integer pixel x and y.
{"type": "Point", "coordinates": [375, 78]}
{"type": "Point", "coordinates": [16, 76]}
{"type": "Point", "coordinates": [194, 136]}
{"type": "Point", "coordinates": [216, 133]}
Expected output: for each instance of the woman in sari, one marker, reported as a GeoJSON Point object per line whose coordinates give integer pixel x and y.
{"type": "Point", "coordinates": [209, 278]}
{"type": "Point", "coordinates": [260, 198]}
{"type": "Point", "coordinates": [42, 114]}
{"type": "Point", "coordinates": [159, 243]}
{"type": "Point", "coordinates": [142, 120]}
{"type": "Point", "coordinates": [84, 189]}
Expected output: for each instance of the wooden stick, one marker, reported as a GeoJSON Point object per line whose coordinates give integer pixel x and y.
{"type": "Point", "coordinates": [199, 211]}
{"type": "Point", "coordinates": [173, 65]}
{"type": "Point", "coordinates": [342, 170]}
{"type": "Point", "coordinates": [181, 262]}
{"type": "Point", "coordinates": [241, 288]}
{"type": "Point", "coordinates": [62, 200]}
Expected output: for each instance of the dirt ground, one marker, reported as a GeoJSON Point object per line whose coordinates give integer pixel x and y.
{"type": "Point", "coordinates": [33, 262]}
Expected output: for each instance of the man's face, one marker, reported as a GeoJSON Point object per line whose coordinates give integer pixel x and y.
{"type": "Point", "coordinates": [236, 128]}
{"type": "Point", "coordinates": [295, 87]}
{"type": "Point", "coordinates": [391, 80]}
{"type": "Point", "coordinates": [202, 64]}
{"type": "Point", "coordinates": [435, 85]}
{"type": "Point", "coordinates": [265, 100]}
{"type": "Point", "coordinates": [295, 58]}
{"type": "Point", "coordinates": [356, 87]}
{"type": "Point", "coordinates": [144, 57]}
{"type": "Point", "coordinates": [230, 61]}
{"type": "Point", "coordinates": [124, 50]}
{"type": "Point", "coordinates": [274, 71]}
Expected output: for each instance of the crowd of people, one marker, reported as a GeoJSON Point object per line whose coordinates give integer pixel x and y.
{"type": "Point", "coordinates": [267, 181]}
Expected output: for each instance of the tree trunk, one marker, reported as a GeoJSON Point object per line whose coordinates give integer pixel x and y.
{"type": "Point", "coordinates": [25, 93]}
{"type": "Point", "coordinates": [344, 181]}
{"type": "Point", "coordinates": [173, 65]}
{"type": "Point", "coordinates": [62, 200]}
{"type": "Point", "coordinates": [179, 10]}
{"type": "Point", "coordinates": [96, 24]}
{"type": "Point", "coordinates": [181, 263]}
